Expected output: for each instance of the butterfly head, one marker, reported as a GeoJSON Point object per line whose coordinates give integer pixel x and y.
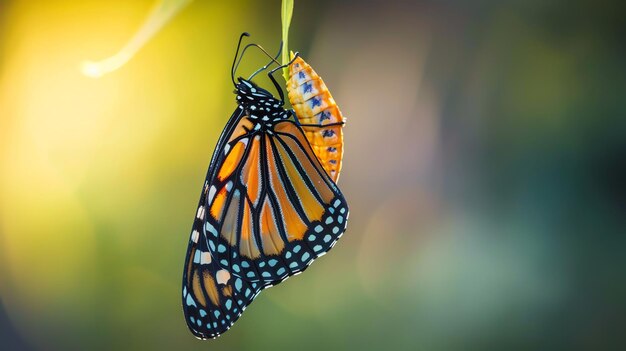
{"type": "Point", "coordinates": [251, 96]}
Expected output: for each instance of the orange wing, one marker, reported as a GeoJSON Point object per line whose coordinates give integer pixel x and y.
{"type": "Point", "coordinates": [314, 105]}
{"type": "Point", "coordinates": [271, 207]}
{"type": "Point", "coordinates": [213, 297]}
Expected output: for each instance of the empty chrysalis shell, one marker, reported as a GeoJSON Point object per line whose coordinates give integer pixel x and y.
{"type": "Point", "coordinates": [318, 114]}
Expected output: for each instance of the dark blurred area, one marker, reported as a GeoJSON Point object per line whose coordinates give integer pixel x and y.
{"type": "Point", "coordinates": [10, 339]}
{"type": "Point", "coordinates": [484, 166]}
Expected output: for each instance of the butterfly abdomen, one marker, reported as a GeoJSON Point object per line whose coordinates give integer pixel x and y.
{"type": "Point", "coordinates": [314, 105]}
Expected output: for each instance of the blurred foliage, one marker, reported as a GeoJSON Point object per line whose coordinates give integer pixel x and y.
{"type": "Point", "coordinates": [484, 166]}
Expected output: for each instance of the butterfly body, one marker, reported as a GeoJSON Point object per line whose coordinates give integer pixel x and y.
{"type": "Point", "coordinates": [266, 211]}
{"type": "Point", "coordinates": [260, 105]}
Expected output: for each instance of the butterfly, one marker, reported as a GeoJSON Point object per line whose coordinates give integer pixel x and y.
{"type": "Point", "coordinates": [268, 208]}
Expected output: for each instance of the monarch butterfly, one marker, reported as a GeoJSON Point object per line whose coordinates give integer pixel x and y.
{"type": "Point", "coordinates": [315, 107]}
{"type": "Point", "coordinates": [267, 209]}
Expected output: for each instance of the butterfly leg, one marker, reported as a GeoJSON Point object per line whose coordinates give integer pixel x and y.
{"type": "Point", "coordinates": [270, 74]}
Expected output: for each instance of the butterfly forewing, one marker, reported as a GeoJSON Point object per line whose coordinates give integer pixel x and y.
{"type": "Point", "coordinates": [213, 297]}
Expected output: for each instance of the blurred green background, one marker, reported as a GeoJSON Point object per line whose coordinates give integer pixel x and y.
{"type": "Point", "coordinates": [484, 166]}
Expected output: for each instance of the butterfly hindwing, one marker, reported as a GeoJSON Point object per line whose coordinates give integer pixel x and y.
{"type": "Point", "coordinates": [272, 209]}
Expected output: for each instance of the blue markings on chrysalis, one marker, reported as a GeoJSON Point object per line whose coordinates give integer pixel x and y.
{"type": "Point", "coordinates": [327, 134]}
{"type": "Point", "coordinates": [316, 101]}
{"type": "Point", "coordinates": [307, 88]}
{"type": "Point", "coordinates": [324, 116]}
{"type": "Point", "coordinates": [305, 256]}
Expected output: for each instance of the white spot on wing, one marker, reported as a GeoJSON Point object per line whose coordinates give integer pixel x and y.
{"type": "Point", "coordinates": [212, 193]}
{"type": "Point", "coordinates": [194, 236]}
{"type": "Point", "coordinates": [200, 213]}
{"type": "Point", "coordinates": [205, 258]}
{"type": "Point", "coordinates": [222, 276]}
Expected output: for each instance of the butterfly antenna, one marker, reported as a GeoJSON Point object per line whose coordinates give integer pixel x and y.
{"type": "Point", "coordinates": [232, 69]}
{"type": "Point", "coordinates": [262, 50]}
{"type": "Point", "coordinates": [272, 60]}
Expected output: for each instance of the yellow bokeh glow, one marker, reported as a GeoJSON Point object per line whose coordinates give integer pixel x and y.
{"type": "Point", "coordinates": [163, 11]}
